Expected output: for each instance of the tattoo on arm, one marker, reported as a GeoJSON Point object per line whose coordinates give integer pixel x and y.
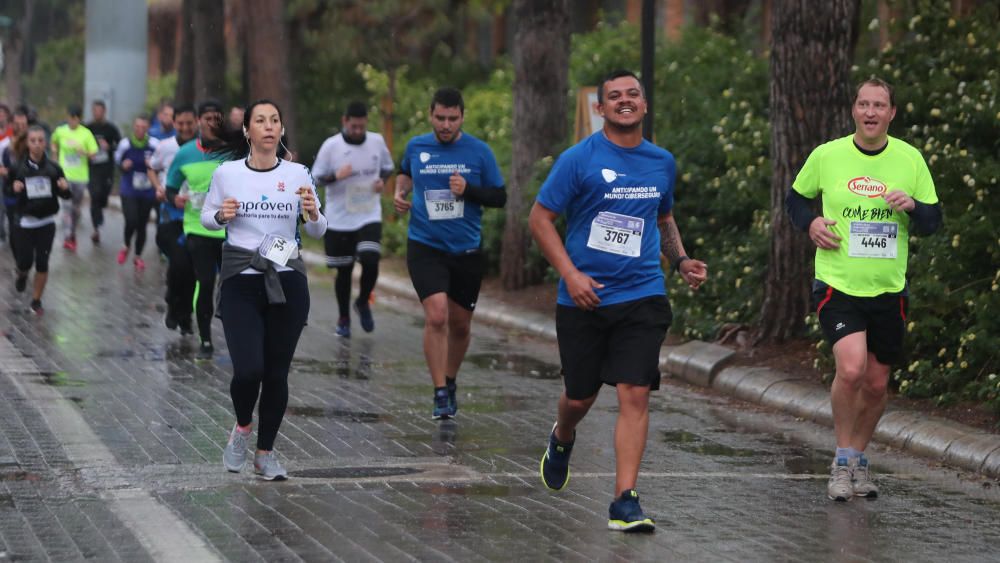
{"type": "Point", "coordinates": [670, 240]}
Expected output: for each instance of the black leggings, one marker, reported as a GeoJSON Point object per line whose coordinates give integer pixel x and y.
{"type": "Point", "coordinates": [136, 211]}
{"type": "Point", "coordinates": [34, 246]}
{"type": "Point", "coordinates": [180, 273]}
{"type": "Point", "coordinates": [13, 225]}
{"type": "Point", "coordinates": [206, 257]}
{"type": "Point", "coordinates": [262, 339]}
{"type": "Point", "coordinates": [369, 275]}
{"type": "Point", "coordinates": [101, 180]}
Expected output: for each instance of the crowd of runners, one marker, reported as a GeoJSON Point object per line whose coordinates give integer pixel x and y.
{"type": "Point", "coordinates": [231, 205]}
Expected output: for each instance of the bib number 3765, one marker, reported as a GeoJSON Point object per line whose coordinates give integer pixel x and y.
{"type": "Point", "coordinates": [442, 204]}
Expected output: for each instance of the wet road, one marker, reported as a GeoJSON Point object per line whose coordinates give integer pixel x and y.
{"type": "Point", "coordinates": [111, 438]}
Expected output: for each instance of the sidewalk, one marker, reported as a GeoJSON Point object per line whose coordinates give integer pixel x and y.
{"type": "Point", "coordinates": [707, 365]}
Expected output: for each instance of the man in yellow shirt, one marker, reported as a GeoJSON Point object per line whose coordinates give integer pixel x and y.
{"type": "Point", "coordinates": [73, 145]}
{"type": "Point", "coordinates": [877, 191]}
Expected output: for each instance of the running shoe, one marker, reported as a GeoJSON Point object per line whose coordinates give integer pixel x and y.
{"type": "Point", "coordinates": [122, 255]}
{"type": "Point", "coordinates": [96, 237]}
{"type": "Point", "coordinates": [21, 281]}
{"type": "Point", "coordinates": [205, 351]}
{"type": "Point", "coordinates": [70, 244]}
{"type": "Point", "coordinates": [442, 410]}
{"type": "Point", "coordinates": [554, 468]}
{"type": "Point", "coordinates": [344, 327]}
{"type": "Point", "coordinates": [268, 467]}
{"type": "Point", "coordinates": [861, 478]}
{"type": "Point", "coordinates": [36, 307]}
{"type": "Point", "coordinates": [625, 514]}
{"type": "Point", "coordinates": [140, 264]}
{"type": "Point", "coordinates": [168, 320]}
{"type": "Point", "coordinates": [185, 325]}
{"type": "Point", "coordinates": [452, 385]}
{"type": "Point", "coordinates": [364, 312]}
{"type": "Point", "coordinates": [839, 487]}
{"type": "Point", "coordinates": [234, 457]}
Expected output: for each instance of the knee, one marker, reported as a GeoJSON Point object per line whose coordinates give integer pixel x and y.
{"type": "Point", "coordinates": [851, 374]}
{"type": "Point", "coordinates": [875, 384]}
{"type": "Point", "coordinates": [580, 404]}
{"type": "Point", "coordinates": [459, 328]}
{"type": "Point", "coordinates": [368, 259]}
{"type": "Point", "coordinates": [436, 320]}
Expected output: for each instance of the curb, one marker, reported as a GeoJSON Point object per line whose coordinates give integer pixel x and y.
{"type": "Point", "coordinates": [705, 364]}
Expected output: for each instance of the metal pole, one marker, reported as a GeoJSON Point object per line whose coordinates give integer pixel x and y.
{"type": "Point", "coordinates": [648, 43]}
{"type": "Point", "coordinates": [115, 60]}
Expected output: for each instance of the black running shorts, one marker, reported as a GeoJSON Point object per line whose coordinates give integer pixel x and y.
{"type": "Point", "coordinates": [882, 318]}
{"type": "Point", "coordinates": [343, 247]}
{"type": "Point", "coordinates": [619, 343]}
{"type": "Point", "coordinates": [435, 271]}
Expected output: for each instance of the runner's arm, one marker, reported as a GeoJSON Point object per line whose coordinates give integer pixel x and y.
{"type": "Point", "coordinates": [799, 209]}
{"type": "Point", "coordinates": [487, 197]}
{"type": "Point", "coordinates": [579, 285]}
{"type": "Point", "coordinates": [925, 218]}
{"type": "Point", "coordinates": [694, 272]}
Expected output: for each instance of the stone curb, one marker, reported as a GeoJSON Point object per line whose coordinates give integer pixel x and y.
{"type": "Point", "coordinates": [705, 364]}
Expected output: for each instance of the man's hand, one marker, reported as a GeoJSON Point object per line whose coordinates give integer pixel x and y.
{"type": "Point", "coordinates": [18, 186]}
{"type": "Point", "coordinates": [228, 209]}
{"type": "Point", "coordinates": [62, 184]}
{"type": "Point", "coordinates": [344, 172]}
{"type": "Point", "coordinates": [694, 272]}
{"type": "Point", "coordinates": [822, 236]}
{"type": "Point", "coordinates": [378, 186]}
{"type": "Point", "coordinates": [127, 164]}
{"type": "Point", "coordinates": [180, 201]}
{"type": "Point", "coordinates": [161, 195]}
{"type": "Point", "coordinates": [899, 201]}
{"type": "Point", "coordinates": [456, 183]}
{"type": "Point", "coordinates": [581, 290]}
{"type": "Point", "coordinates": [103, 143]}
{"type": "Point", "coordinates": [3, 171]}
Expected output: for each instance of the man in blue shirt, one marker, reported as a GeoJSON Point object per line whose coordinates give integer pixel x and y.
{"type": "Point", "coordinates": [452, 176]}
{"type": "Point", "coordinates": [612, 313]}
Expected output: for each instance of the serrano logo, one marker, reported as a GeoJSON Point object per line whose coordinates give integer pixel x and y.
{"type": "Point", "coordinates": [866, 186]}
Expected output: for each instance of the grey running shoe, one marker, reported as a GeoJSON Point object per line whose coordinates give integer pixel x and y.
{"type": "Point", "coordinates": [839, 487]}
{"type": "Point", "coordinates": [861, 477]}
{"type": "Point", "coordinates": [234, 457]}
{"type": "Point", "coordinates": [268, 467]}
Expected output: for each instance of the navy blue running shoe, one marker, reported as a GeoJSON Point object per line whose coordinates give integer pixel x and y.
{"type": "Point", "coordinates": [452, 394]}
{"type": "Point", "coordinates": [554, 468]}
{"type": "Point", "coordinates": [625, 514]}
{"type": "Point", "coordinates": [442, 410]}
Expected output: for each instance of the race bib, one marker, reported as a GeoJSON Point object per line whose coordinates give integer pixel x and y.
{"type": "Point", "coordinates": [140, 181]}
{"type": "Point", "coordinates": [101, 157]}
{"type": "Point", "coordinates": [277, 249]}
{"type": "Point", "coordinates": [360, 197]}
{"type": "Point", "coordinates": [873, 240]}
{"type": "Point", "coordinates": [38, 187]}
{"type": "Point", "coordinates": [441, 204]}
{"type": "Point", "coordinates": [72, 159]}
{"type": "Point", "coordinates": [617, 234]}
{"type": "Point", "coordinates": [197, 199]}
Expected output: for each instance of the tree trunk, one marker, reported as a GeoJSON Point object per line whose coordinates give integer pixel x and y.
{"type": "Point", "coordinates": [541, 65]}
{"type": "Point", "coordinates": [811, 56]}
{"type": "Point", "coordinates": [209, 55]}
{"type": "Point", "coordinates": [267, 51]}
{"type": "Point", "coordinates": [14, 54]}
{"type": "Point", "coordinates": [674, 20]}
{"type": "Point", "coordinates": [184, 91]}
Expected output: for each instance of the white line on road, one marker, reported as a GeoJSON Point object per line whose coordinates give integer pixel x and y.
{"type": "Point", "coordinates": [164, 535]}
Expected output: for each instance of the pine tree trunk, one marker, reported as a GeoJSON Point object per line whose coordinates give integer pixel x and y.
{"type": "Point", "coordinates": [541, 66]}
{"type": "Point", "coordinates": [184, 91]}
{"type": "Point", "coordinates": [267, 50]}
{"type": "Point", "coordinates": [209, 49]}
{"type": "Point", "coordinates": [811, 93]}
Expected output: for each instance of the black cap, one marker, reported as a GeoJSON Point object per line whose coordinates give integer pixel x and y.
{"type": "Point", "coordinates": [208, 106]}
{"type": "Point", "coordinates": [74, 111]}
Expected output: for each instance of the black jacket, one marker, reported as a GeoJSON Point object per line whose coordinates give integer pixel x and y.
{"type": "Point", "coordinates": [45, 173]}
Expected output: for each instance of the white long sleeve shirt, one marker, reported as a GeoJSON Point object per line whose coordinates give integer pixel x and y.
{"type": "Point", "coordinates": [268, 203]}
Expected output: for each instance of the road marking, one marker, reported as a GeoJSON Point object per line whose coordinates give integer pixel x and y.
{"type": "Point", "coordinates": [160, 531]}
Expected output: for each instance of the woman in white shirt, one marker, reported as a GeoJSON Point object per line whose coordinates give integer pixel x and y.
{"type": "Point", "coordinates": [260, 200]}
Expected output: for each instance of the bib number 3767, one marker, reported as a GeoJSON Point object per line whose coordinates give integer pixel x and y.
{"type": "Point", "coordinates": [617, 234]}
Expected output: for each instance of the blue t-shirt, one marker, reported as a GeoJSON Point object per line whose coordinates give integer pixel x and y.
{"type": "Point", "coordinates": [437, 218]}
{"type": "Point", "coordinates": [612, 197]}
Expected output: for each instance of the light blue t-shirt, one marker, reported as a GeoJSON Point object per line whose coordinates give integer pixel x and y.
{"type": "Point", "coordinates": [437, 218]}
{"type": "Point", "coordinates": [612, 197]}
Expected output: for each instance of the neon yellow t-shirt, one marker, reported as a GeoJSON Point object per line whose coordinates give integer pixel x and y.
{"type": "Point", "coordinates": [75, 147]}
{"type": "Point", "coordinates": [871, 258]}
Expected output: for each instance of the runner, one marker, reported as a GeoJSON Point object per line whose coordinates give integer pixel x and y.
{"type": "Point", "coordinates": [188, 181]}
{"type": "Point", "coordinates": [37, 183]}
{"type": "Point", "coordinates": [102, 168]}
{"type": "Point", "coordinates": [612, 313]}
{"type": "Point", "coordinates": [170, 228]}
{"type": "Point", "coordinates": [163, 128]}
{"type": "Point", "coordinates": [354, 165]}
{"type": "Point", "coordinates": [259, 200]}
{"type": "Point", "coordinates": [877, 191]}
{"type": "Point", "coordinates": [138, 195]}
{"type": "Point", "coordinates": [15, 151]}
{"type": "Point", "coordinates": [73, 145]}
{"type": "Point", "coordinates": [453, 175]}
